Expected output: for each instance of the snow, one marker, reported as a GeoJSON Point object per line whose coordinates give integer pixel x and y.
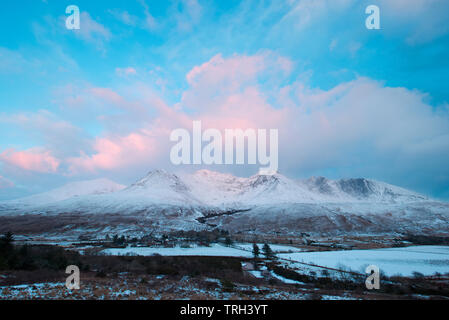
{"type": "Point", "coordinates": [359, 189]}
{"type": "Point", "coordinates": [277, 248]}
{"type": "Point", "coordinates": [237, 250]}
{"type": "Point", "coordinates": [256, 273]}
{"type": "Point", "coordinates": [333, 298]}
{"type": "Point", "coordinates": [160, 186]}
{"type": "Point", "coordinates": [70, 190]}
{"type": "Point", "coordinates": [265, 202]}
{"type": "Point", "coordinates": [213, 250]}
{"type": "Point", "coordinates": [285, 280]}
{"type": "Point", "coordinates": [207, 188]}
{"type": "Point", "coordinates": [392, 261]}
{"type": "Point", "coordinates": [29, 290]}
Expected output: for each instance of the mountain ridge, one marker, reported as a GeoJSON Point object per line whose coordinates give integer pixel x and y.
{"type": "Point", "coordinates": [215, 188]}
{"type": "Point", "coordinates": [260, 203]}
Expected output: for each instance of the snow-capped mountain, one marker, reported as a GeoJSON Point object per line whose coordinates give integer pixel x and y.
{"type": "Point", "coordinates": [269, 203]}
{"type": "Point", "coordinates": [360, 190]}
{"type": "Point", "coordinates": [224, 189]}
{"type": "Point", "coordinates": [159, 186]}
{"type": "Point", "coordinates": [208, 188]}
{"type": "Point", "coordinates": [70, 190]}
{"type": "Point", "coordinates": [269, 189]}
{"type": "Point", "coordinates": [215, 188]}
{"type": "Point", "coordinates": [157, 191]}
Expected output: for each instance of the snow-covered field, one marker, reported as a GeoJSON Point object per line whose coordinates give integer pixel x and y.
{"type": "Point", "coordinates": [392, 261]}
{"type": "Point", "coordinates": [277, 248]}
{"type": "Point", "coordinates": [213, 250]}
{"type": "Point", "coordinates": [237, 250]}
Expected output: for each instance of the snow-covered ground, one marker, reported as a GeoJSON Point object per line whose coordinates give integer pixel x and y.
{"type": "Point", "coordinates": [277, 248]}
{"type": "Point", "coordinates": [392, 261]}
{"type": "Point", "coordinates": [237, 250]}
{"type": "Point", "coordinates": [213, 250]}
{"type": "Point", "coordinates": [29, 291]}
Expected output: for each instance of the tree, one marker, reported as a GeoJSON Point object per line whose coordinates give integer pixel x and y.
{"type": "Point", "coordinates": [256, 251]}
{"type": "Point", "coordinates": [6, 241]}
{"type": "Point", "coordinates": [8, 238]}
{"type": "Point", "coordinates": [118, 241]}
{"type": "Point", "coordinates": [228, 241]}
{"type": "Point", "coordinates": [7, 252]}
{"type": "Point", "coordinates": [267, 251]}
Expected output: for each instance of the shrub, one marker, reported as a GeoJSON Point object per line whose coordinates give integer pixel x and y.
{"type": "Point", "coordinates": [227, 285]}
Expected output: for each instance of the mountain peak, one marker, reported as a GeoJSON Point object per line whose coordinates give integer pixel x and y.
{"type": "Point", "coordinates": [156, 178]}
{"type": "Point", "coordinates": [211, 174]}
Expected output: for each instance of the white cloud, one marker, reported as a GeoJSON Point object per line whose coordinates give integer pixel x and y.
{"type": "Point", "coordinates": [125, 17]}
{"type": "Point", "coordinates": [420, 21]}
{"type": "Point", "coordinates": [124, 72]}
{"type": "Point", "coordinates": [92, 31]}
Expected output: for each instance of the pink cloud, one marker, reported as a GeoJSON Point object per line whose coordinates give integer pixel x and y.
{"type": "Point", "coordinates": [216, 80]}
{"type": "Point", "coordinates": [234, 70]}
{"type": "Point", "coordinates": [107, 94]}
{"type": "Point", "coordinates": [115, 152]}
{"type": "Point", "coordinates": [31, 160]}
{"type": "Point", "coordinates": [248, 109]}
{"type": "Point", "coordinates": [243, 106]}
{"type": "Point", "coordinates": [317, 128]}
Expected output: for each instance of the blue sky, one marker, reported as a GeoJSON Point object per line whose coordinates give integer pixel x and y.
{"type": "Point", "coordinates": [101, 101]}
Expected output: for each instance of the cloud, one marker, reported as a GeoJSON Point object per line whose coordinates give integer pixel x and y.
{"type": "Point", "coordinates": [92, 31]}
{"type": "Point", "coordinates": [33, 159]}
{"type": "Point", "coordinates": [5, 183]}
{"type": "Point", "coordinates": [219, 78]}
{"type": "Point", "coordinates": [236, 69]}
{"type": "Point", "coordinates": [415, 22]}
{"type": "Point", "coordinates": [124, 72]}
{"type": "Point", "coordinates": [364, 114]}
{"type": "Point", "coordinates": [12, 61]}
{"type": "Point", "coordinates": [303, 13]}
{"type": "Point", "coordinates": [360, 127]}
{"type": "Point", "coordinates": [421, 21]}
{"type": "Point", "coordinates": [125, 17]}
{"type": "Point", "coordinates": [114, 153]}
{"type": "Point", "coordinates": [360, 110]}
{"type": "Point", "coordinates": [187, 14]}
{"type": "Point", "coordinates": [326, 127]}
{"type": "Point", "coordinates": [193, 9]}
{"type": "Point", "coordinates": [149, 22]}
{"type": "Point", "coordinates": [48, 129]}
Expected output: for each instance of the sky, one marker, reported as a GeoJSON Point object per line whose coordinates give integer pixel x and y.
{"type": "Point", "coordinates": [101, 101]}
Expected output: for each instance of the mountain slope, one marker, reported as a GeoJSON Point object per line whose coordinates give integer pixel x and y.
{"type": "Point", "coordinates": [70, 190]}
{"type": "Point", "coordinates": [260, 203]}
{"type": "Point", "coordinates": [159, 186]}
{"type": "Point", "coordinates": [360, 189]}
